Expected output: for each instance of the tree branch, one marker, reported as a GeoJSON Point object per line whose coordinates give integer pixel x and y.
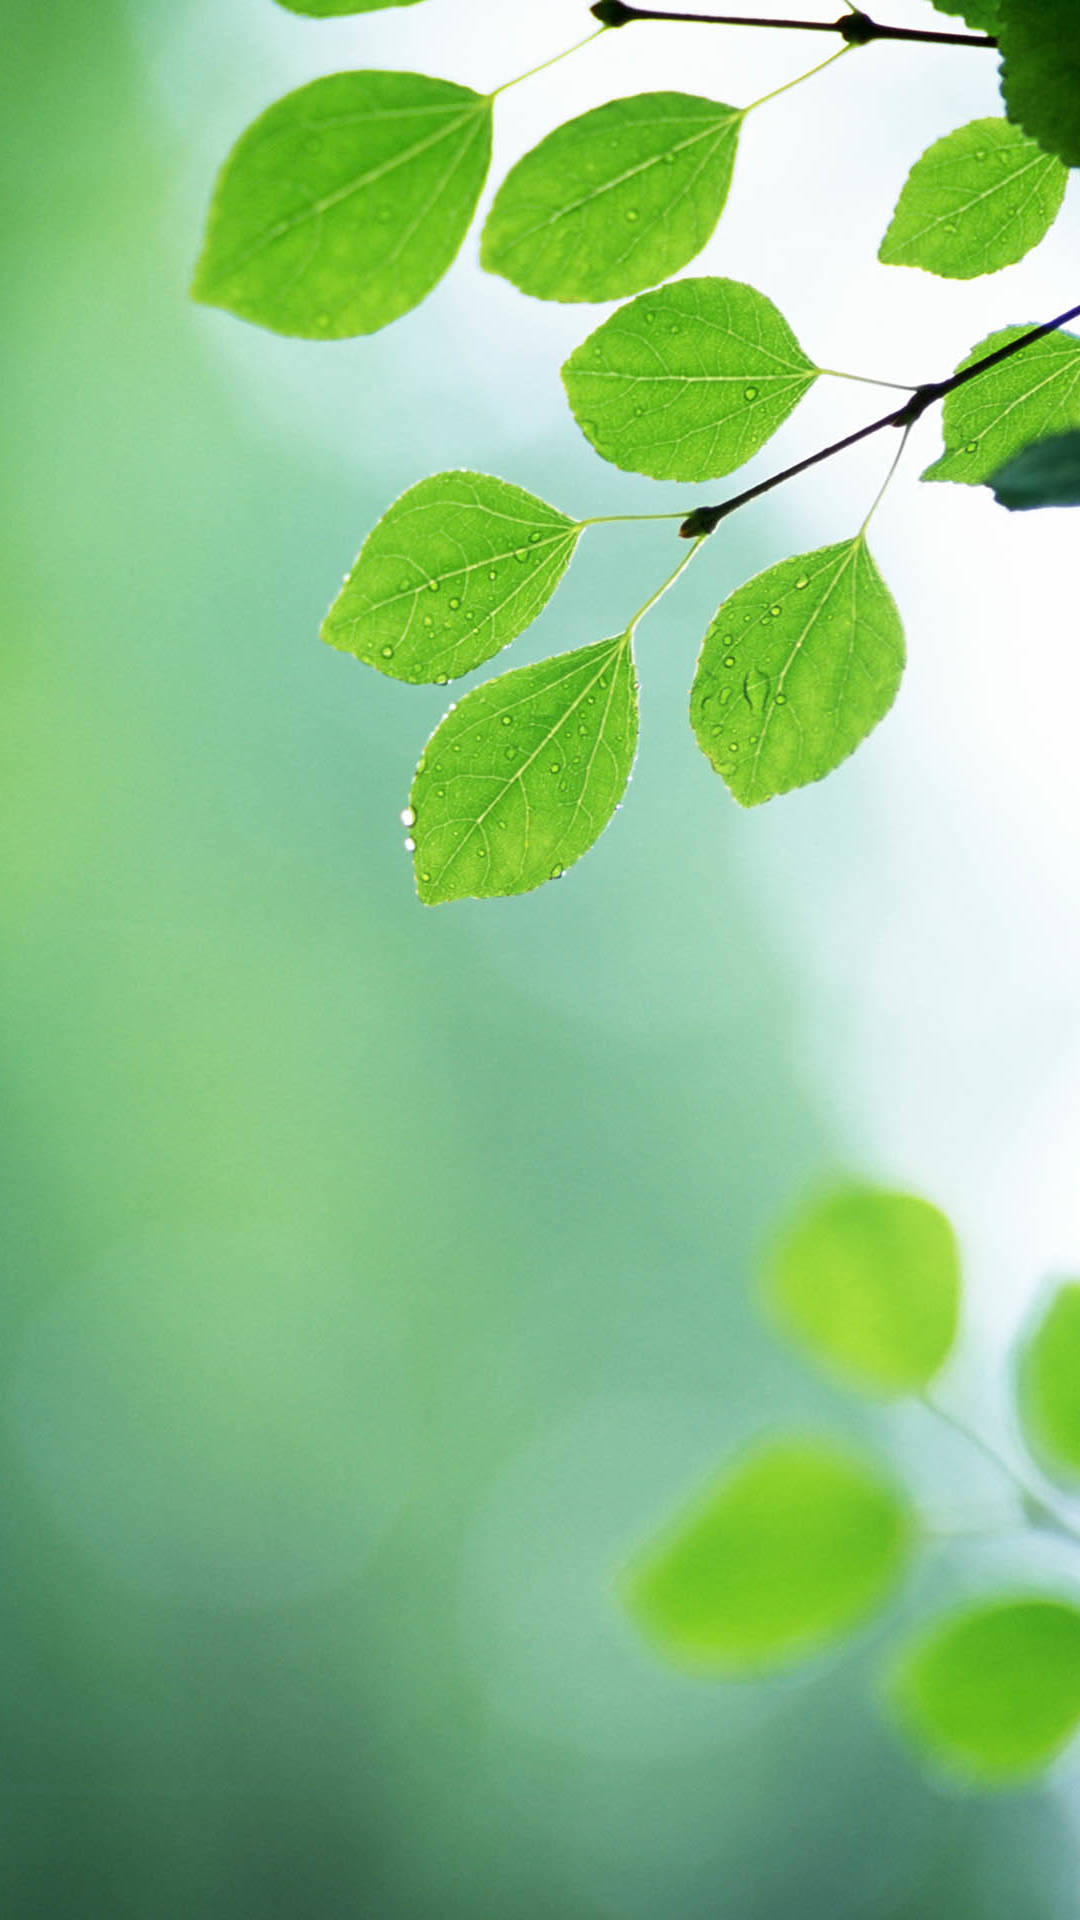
{"type": "Point", "coordinates": [703, 520]}
{"type": "Point", "coordinates": [856, 28]}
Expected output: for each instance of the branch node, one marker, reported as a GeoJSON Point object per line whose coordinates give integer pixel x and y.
{"type": "Point", "coordinates": [857, 29]}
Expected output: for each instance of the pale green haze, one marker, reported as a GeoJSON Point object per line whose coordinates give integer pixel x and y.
{"type": "Point", "coordinates": [524, 773]}
{"type": "Point", "coordinates": [993, 1692]}
{"type": "Point", "coordinates": [688, 382]}
{"type": "Point", "coordinates": [1028, 397]}
{"type": "Point", "coordinates": [797, 668]}
{"type": "Point", "coordinates": [1049, 1385]}
{"type": "Point", "coordinates": [615, 200]}
{"type": "Point", "coordinates": [345, 202]}
{"type": "Point", "coordinates": [456, 569]}
{"type": "Point", "coordinates": [977, 200]}
{"type": "Point", "coordinates": [868, 1281]}
{"type": "Point", "coordinates": [791, 1548]}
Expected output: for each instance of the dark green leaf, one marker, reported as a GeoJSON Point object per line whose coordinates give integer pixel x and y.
{"type": "Point", "coordinates": [459, 566]}
{"type": "Point", "coordinates": [524, 774]}
{"type": "Point", "coordinates": [344, 204]}
{"type": "Point", "coordinates": [614, 201]}
{"type": "Point", "coordinates": [688, 382]}
{"type": "Point", "coordinates": [977, 200]}
{"type": "Point", "coordinates": [324, 9]}
{"type": "Point", "coordinates": [980, 15]}
{"type": "Point", "coordinates": [797, 668]}
{"type": "Point", "coordinates": [786, 1552]}
{"type": "Point", "coordinates": [869, 1282]}
{"type": "Point", "coordinates": [1030, 397]}
{"type": "Point", "coordinates": [1046, 474]}
{"type": "Point", "coordinates": [1040, 72]}
{"type": "Point", "coordinates": [1049, 1384]}
{"type": "Point", "coordinates": [993, 1693]}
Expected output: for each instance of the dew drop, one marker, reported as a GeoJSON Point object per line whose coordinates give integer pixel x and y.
{"type": "Point", "coordinates": [388, 653]}
{"type": "Point", "coordinates": [781, 699]}
{"type": "Point", "coordinates": [409, 844]}
{"type": "Point", "coordinates": [408, 816]}
{"type": "Point", "coordinates": [433, 586]}
{"type": "Point", "coordinates": [507, 719]}
{"type": "Point", "coordinates": [775, 612]}
{"type": "Point", "coordinates": [494, 574]}
{"type": "Point", "coordinates": [980, 153]}
{"type": "Point", "coordinates": [729, 660]}
{"type": "Point", "coordinates": [556, 872]}
{"type": "Point", "coordinates": [455, 604]}
{"type": "Point", "coordinates": [725, 695]}
{"type": "Point", "coordinates": [443, 680]}
{"type": "Point", "coordinates": [481, 853]}
{"type": "Point", "coordinates": [556, 765]}
{"type": "Point", "coordinates": [520, 555]}
{"type": "Point", "coordinates": [631, 213]}
{"type": "Point", "coordinates": [534, 537]}
{"type": "Point", "coordinates": [972, 446]}
{"type": "Point", "coordinates": [750, 393]}
{"type": "Point", "coordinates": [802, 581]}
{"type": "Point", "coordinates": [428, 620]}
{"type": "Point", "coordinates": [425, 877]}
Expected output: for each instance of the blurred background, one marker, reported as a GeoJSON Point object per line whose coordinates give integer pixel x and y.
{"type": "Point", "coordinates": [377, 1277]}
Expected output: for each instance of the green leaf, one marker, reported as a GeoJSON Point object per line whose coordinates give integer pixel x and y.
{"type": "Point", "coordinates": [1040, 72]}
{"type": "Point", "coordinates": [869, 1282]}
{"type": "Point", "coordinates": [785, 1553]}
{"type": "Point", "coordinates": [524, 774]}
{"type": "Point", "coordinates": [615, 200]}
{"type": "Point", "coordinates": [980, 15]}
{"type": "Point", "coordinates": [978, 200]}
{"type": "Point", "coordinates": [993, 1693]}
{"type": "Point", "coordinates": [454, 571]}
{"type": "Point", "coordinates": [688, 382]}
{"type": "Point", "coordinates": [1049, 1384]}
{"type": "Point", "coordinates": [1046, 474]}
{"type": "Point", "coordinates": [324, 9]}
{"type": "Point", "coordinates": [797, 668]}
{"type": "Point", "coordinates": [1030, 397]}
{"type": "Point", "coordinates": [345, 202]}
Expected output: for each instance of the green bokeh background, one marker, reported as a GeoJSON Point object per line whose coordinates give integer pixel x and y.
{"type": "Point", "coordinates": [375, 1278]}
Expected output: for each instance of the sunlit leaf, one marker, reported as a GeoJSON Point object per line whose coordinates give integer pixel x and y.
{"type": "Point", "coordinates": [869, 1282]}
{"type": "Point", "coordinates": [786, 1552]}
{"type": "Point", "coordinates": [324, 9]}
{"type": "Point", "coordinates": [993, 1692]}
{"type": "Point", "coordinates": [976, 201]}
{"type": "Point", "coordinates": [345, 202]}
{"type": "Point", "coordinates": [524, 774]}
{"type": "Point", "coordinates": [1034, 394]}
{"type": "Point", "coordinates": [1049, 1384]}
{"type": "Point", "coordinates": [615, 200]}
{"type": "Point", "coordinates": [797, 668]}
{"type": "Point", "coordinates": [1046, 474]}
{"type": "Point", "coordinates": [456, 568]}
{"type": "Point", "coordinates": [1040, 71]}
{"type": "Point", "coordinates": [687, 382]}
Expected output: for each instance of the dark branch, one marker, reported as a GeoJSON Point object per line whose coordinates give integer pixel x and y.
{"type": "Point", "coordinates": [704, 519]}
{"type": "Point", "coordinates": [856, 28]}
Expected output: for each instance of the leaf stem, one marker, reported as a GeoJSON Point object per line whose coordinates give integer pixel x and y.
{"type": "Point", "coordinates": [615, 519]}
{"type": "Point", "coordinates": [798, 80]}
{"type": "Point", "coordinates": [884, 487]}
{"type": "Point", "coordinates": [867, 380]}
{"type": "Point", "coordinates": [1034, 1501]}
{"type": "Point", "coordinates": [703, 520]}
{"type": "Point", "coordinates": [636, 618]}
{"type": "Point", "coordinates": [545, 64]}
{"type": "Point", "coordinates": [855, 27]}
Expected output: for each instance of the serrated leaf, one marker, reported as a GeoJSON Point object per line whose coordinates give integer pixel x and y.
{"type": "Point", "coordinates": [1030, 397]}
{"type": "Point", "coordinates": [325, 9]}
{"type": "Point", "coordinates": [454, 571]}
{"type": "Point", "coordinates": [797, 668]}
{"type": "Point", "coordinates": [1046, 474]}
{"type": "Point", "coordinates": [614, 201]}
{"type": "Point", "coordinates": [788, 1551]}
{"type": "Point", "coordinates": [344, 203]}
{"type": "Point", "coordinates": [976, 201]}
{"type": "Point", "coordinates": [1049, 1384]}
{"type": "Point", "coordinates": [993, 1692]}
{"type": "Point", "coordinates": [1040, 72]}
{"type": "Point", "coordinates": [524, 774]}
{"type": "Point", "coordinates": [980, 15]}
{"type": "Point", "coordinates": [869, 1282]}
{"type": "Point", "coordinates": [687, 382]}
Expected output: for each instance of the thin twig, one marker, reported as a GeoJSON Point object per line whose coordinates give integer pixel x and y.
{"type": "Point", "coordinates": [856, 28]}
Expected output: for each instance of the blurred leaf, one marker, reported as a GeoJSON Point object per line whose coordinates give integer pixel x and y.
{"type": "Point", "coordinates": [1030, 397]}
{"type": "Point", "coordinates": [524, 774]}
{"type": "Point", "coordinates": [345, 202]}
{"type": "Point", "coordinates": [993, 1693]}
{"type": "Point", "coordinates": [789, 1550]}
{"type": "Point", "coordinates": [797, 668]}
{"type": "Point", "coordinates": [688, 382]}
{"type": "Point", "coordinates": [1049, 1384]}
{"type": "Point", "coordinates": [980, 15]}
{"type": "Point", "coordinates": [1046, 474]}
{"type": "Point", "coordinates": [323, 9]}
{"type": "Point", "coordinates": [976, 201]}
{"type": "Point", "coordinates": [869, 1281]}
{"type": "Point", "coordinates": [615, 200]}
{"type": "Point", "coordinates": [1040, 71]}
{"type": "Point", "coordinates": [493, 555]}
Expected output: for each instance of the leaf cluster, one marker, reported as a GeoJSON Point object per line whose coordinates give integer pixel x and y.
{"type": "Point", "coordinates": [802, 1540]}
